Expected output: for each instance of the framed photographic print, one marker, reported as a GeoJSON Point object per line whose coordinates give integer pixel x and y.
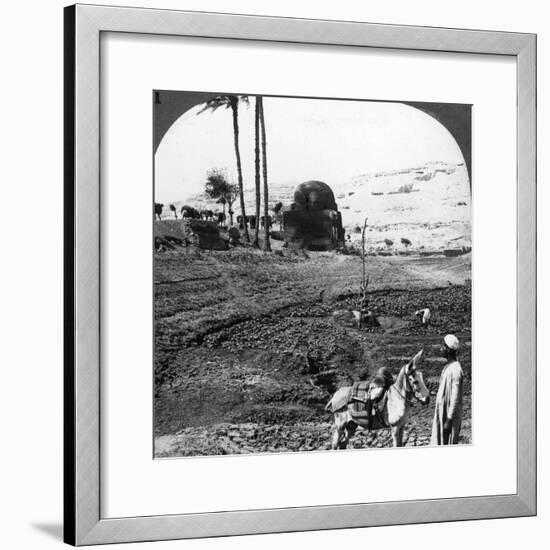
{"type": "Point", "coordinates": [295, 250]}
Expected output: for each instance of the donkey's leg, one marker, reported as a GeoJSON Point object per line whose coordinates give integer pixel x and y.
{"type": "Point", "coordinates": [397, 436]}
{"type": "Point", "coordinates": [400, 435]}
{"type": "Point", "coordinates": [340, 423]}
{"type": "Point", "coordinates": [349, 430]}
{"type": "Point", "coordinates": [337, 434]}
{"type": "Point", "coordinates": [336, 431]}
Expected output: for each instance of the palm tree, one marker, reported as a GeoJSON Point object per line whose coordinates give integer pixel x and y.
{"type": "Point", "coordinates": [256, 242]}
{"type": "Point", "coordinates": [267, 245]}
{"type": "Point", "coordinates": [232, 102]}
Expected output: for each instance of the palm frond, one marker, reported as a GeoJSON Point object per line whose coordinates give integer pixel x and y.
{"type": "Point", "coordinates": [224, 101]}
{"type": "Point", "coordinates": [215, 103]}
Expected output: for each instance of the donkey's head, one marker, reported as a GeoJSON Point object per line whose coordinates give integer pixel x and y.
{"type": "Point", "coordinates": [416, 380]}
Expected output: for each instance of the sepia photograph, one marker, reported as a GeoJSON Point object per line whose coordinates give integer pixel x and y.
{"type": "Point", "coordinates": [311, 274]}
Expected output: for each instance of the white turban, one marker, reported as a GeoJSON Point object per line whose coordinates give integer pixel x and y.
{"type": "Point", "coordinates": [451, 341]}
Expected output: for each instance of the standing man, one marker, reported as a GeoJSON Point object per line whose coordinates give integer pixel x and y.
{"type": "Point", "coordinates": [448, 405]}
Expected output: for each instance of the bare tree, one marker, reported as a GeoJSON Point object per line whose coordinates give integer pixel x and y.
{"type": "Point", "coordinates": [364, 277]}
{"type": "Point", "coordinates": [362, 301]}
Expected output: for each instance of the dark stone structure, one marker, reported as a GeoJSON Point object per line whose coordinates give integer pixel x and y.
{"type": "Point", "coordinates": [314, 195]}
{"type": "Point", "coordinates": [313, 221]}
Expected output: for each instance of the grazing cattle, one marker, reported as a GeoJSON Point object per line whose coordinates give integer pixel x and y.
{"type": "Point", "coordinates": [190, 212]}
{"type": "Point", "coordinates": [173, 209]}
{"type": "Point", "coordinates": [240, 220]}
{"type": "Point", "coordinates": [206, 215]}
{"type": "Point", "coordinates": [158, 209]}
{"type": "Point", "coordinates": [269, 221]}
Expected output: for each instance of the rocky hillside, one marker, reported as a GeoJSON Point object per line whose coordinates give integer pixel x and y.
{"type": "Point", "coordinates": [429, 205]}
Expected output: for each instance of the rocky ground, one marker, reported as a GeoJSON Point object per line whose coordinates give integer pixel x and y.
{"type": "Point", "coordinates": [259, 438]}
{"type": "Point", "coordinates": [247, 352]}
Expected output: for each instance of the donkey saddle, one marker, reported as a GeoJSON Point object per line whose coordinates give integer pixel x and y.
{"type": "Point", "coordinates": [368, 398]}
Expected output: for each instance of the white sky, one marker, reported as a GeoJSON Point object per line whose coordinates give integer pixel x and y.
{"type": "Point", "coordinates": [327, 140]}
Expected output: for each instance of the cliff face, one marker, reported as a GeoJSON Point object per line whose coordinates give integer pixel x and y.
{"type": "Point", "coordinates": [428, 205]}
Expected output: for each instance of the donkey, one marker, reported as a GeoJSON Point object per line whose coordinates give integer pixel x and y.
{"type": "Point", "coordinates": [394, 413]}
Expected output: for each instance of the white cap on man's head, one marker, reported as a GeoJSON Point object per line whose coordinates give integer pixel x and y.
{"type": "Point", "coordinates": [451, 341]}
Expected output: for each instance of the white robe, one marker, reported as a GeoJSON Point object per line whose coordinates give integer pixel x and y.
{"type": "Point", "coordinates": [448, 405]}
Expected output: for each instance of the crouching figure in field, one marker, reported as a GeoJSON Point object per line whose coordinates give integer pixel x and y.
{"type": "Point", "coordinates": [355, 318]}
{"type": "Point", "coordinates": [425, 316]}
{"type": "Point", "coordinates": [352, 406]}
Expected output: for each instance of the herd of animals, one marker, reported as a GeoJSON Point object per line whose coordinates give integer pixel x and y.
{"type": "Point", "coordinates": [189, 212]}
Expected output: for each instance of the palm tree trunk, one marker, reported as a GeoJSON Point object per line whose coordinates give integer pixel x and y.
{"type": "Point", "coordinates": [257, 170]}
{"type": "Point", "coordinates": [267, 245]}
{"type": "Point", "coordinates": [234, 108]}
